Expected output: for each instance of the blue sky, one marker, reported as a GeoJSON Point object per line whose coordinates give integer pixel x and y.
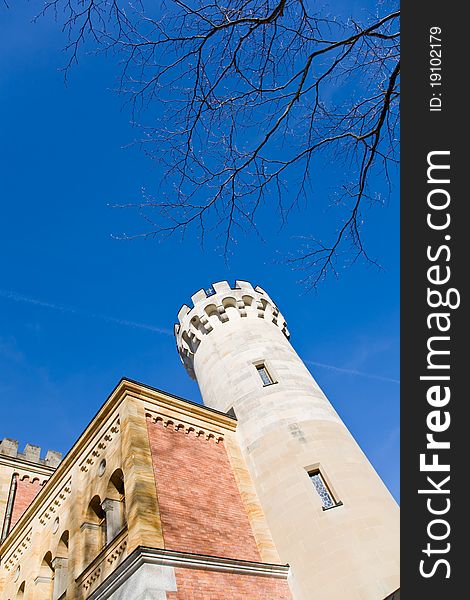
{"type": "Point", "coordinates": [79, 309]}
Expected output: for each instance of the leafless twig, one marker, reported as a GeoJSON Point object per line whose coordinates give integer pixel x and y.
{"type": "Point", "coordinates": [243, 96]}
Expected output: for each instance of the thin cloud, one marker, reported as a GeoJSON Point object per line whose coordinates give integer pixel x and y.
{"type": "Point", "coordinates": [20, 298]}
{"type": "Point", "coordinates": [351, 372]}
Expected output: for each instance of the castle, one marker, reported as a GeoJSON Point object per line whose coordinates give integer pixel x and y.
{"type": "Point", "coordinates": [260, 494]}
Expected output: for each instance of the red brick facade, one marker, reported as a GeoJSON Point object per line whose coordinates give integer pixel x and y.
{"type": "Point", "coordinates": [26, 491]}
{"type": "Point", "coordinates": [200, 504]}
{"type": "Point", "coordinates": [194, 584]}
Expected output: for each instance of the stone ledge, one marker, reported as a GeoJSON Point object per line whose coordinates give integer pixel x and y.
{"type": "Point", "coordinates": [171, 558]}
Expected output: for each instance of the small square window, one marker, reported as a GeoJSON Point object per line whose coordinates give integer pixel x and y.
{"type": "Point", "coordinates": [264, 374]}
{"type": "Point", "coordinates": [322, 490]}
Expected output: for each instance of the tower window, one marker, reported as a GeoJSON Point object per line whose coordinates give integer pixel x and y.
{"type": "Point", "coordinates": [322, 490]}
{"type": "Point", "coordinates": [264, 374]}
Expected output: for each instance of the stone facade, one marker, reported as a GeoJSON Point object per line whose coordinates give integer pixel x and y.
{"type": "Point", "coordinates": [235, 343]}
{"type": "Point", "coordinates": [261, 494]}
{"type": "Point", "coordinates": [198, 497]}
{"type": "Point", "coordinates": [154, 501]}
{"type": "Point", "coordinates": [22, 474]}
{"type": "Point", "coordinates": [203, 585]}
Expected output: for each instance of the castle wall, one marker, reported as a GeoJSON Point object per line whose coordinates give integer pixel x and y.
{"type": "Point", "coordinates": [51, 541]}
{"type": "Point", "coordinates": [149, 582]}
{"type": "Point", "coordinates": [134, 502]}
{"type": "Point", "coordinates": [160, 574]}
{"type": "Point", "coordinates": [287, 430]}
{"type": "Point", "coordinates": [198, 584]}
{"type": "Point", "coordinates": [27, 489]}
{"type": "Point", "coordinates": [21, 476]}
{"type": "Point", "coordinates": [200, 504]}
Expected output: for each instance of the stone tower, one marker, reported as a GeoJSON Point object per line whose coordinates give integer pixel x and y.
{"type": "Point", "coordinates": [330, 515]}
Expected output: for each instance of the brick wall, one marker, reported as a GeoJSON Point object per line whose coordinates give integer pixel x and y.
{"type": "Point", "coordinates": [194, 584]}
{"type": "Point", "coordinates": [200, 505]}
{"type": "Point", "coordinates": [26, 491]}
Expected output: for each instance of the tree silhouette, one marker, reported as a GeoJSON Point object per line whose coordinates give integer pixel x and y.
{"type": "Point", "coordinates": [242, 92]}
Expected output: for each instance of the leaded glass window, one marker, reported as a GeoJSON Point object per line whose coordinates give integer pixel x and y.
{"type": "Point", "coordinates": [265, 376]}
{"type": "Point", "coordinates": [322, 490]}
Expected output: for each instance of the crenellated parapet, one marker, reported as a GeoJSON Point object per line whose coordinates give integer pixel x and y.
{"type": "Point", "coordinates": [30, 454]}
{"type": "Point", "coordinates": [219, 305]}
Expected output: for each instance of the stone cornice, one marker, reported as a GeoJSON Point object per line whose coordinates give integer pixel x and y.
{"type": "Point", "coordinates": [18, 551]}
{"type": "Point", "coordinates": [172, 405]}
{"type": "Point", "coordinates": [125, 388]}
{"type": "Point", "coordinates": [187, 427]}
{"type": "Point", "coordinates": [171, 558]}
{"type": "Point", "coordinates": [17, 463]}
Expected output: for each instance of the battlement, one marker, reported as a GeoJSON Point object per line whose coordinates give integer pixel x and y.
{"type": "Point", "coordinates": [216, 306]}
{"type": "Point", "coordinates": [32, 454]}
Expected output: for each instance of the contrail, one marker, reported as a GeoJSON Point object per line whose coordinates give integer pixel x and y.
{"type": "Point", "coordinates": [20, 298]}
{"type": "Point", "coordinates": [15, 297]}
{"type": "Point", "coordinates": [351, 372]}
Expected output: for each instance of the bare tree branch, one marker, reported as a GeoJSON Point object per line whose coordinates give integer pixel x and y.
{"type": "Point", "coordinates": [245, 96]}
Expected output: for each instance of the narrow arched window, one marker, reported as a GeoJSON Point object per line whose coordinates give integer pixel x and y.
{"type": "Point", "coordinates": [93, 529]}
{"type": "Point", "coordinates": [45, 580]}
{"type": "Point", "coordinates": [21, 590]}
{"type": "Point", "coordinates": [115, 505]}
{"type": "Point", "coordinates": [60, 565]}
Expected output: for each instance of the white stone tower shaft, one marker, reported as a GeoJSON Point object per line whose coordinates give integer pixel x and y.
{"type": "Point", "coordinates": [331, 517]}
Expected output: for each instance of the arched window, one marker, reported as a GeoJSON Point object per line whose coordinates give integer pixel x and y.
{"type": "Point", "coordinates": [60, 565]}
{"type": "Point", "coordinates": [63, 545]}
{"type": "Point", "coordinates": [46, 575]}
{"type": "Point", "coordinates": [116, 484]}
{"type": "Point", "coordinates": [21, 589]}
{"type": "Point", "coordinates": [115, 505]}
{"type": "Point", "coordinates": [93, 529]}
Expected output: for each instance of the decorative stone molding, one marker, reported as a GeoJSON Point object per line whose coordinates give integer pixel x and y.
{"type": "Point", "coordinates": [41, 579]}
{"type": "Point", "coordinates": [100, 567]}
{"type": "Point", "coordinates": [57, 502]}
{"type": "Point", "coordinates": [105, 439]}
{"type": "Point", "coordinates": [32, 479]}
{"type": "Point", "coordinates": [117, 552]}
{"type": "Point", "coordinates": [212, 310]}
{"type": "Point", "coordinates": [11, 559]}
{"type": "Point", "coordinates": [188, 428]}
{"type": "Point", "coordinates": [85, 525]}
{"type": "Point", "coordinates": [170, 558]}
{"type": "Point", "coordinates": [87, 584]}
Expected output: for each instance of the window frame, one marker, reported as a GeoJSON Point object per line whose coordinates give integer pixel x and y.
{"type": "Point", "coordinates": [262, 366]}
{"type": "Point", "coordinates": [311, 472]}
